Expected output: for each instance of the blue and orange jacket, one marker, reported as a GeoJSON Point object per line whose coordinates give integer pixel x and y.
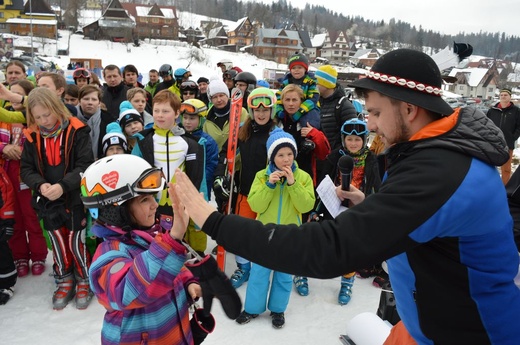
{"type": "Point", "coordinates": [440, 219]}
{"type": "Point", "coordinates": [141, 282]}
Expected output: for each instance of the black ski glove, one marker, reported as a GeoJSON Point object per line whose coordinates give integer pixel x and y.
{"type": "Point", "coordinates": [201, 326]}
{"type": "Point", "coordinates": [215, 283]}
{"type": "Point", "coordinates": [221, 186]}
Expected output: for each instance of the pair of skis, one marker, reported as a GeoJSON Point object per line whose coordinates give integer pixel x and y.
{"type": "Point", "coordinates": [235, 114]}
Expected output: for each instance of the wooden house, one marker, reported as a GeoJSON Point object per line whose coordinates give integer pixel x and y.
{"type": "Point", "coordinates": [276, 44]}
{"type": "Point", "coordinates": [153, 21]}
{"type": "Point", "coordinates": [241, 35]}
{"type": "Point", "coordinates": [115, 24]}
{"type": "Point", "coordinates": [35, 17]}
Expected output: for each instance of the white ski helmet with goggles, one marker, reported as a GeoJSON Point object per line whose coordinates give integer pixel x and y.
{"type": "Point", "coordinates": [261, 96]}
{"type": "Point", "coordinates": [111, 181]}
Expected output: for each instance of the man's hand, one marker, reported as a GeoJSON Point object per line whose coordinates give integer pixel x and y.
{"type": "Point", "coordinates": [354, 195]}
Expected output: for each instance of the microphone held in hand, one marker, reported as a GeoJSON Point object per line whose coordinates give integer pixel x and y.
{"type": "Point", "coordinates": [345, 166]}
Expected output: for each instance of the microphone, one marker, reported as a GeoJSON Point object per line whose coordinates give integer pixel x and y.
{"type": "Point", "coordinates": [345, 166]}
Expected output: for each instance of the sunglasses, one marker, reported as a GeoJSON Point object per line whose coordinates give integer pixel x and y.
{"type": "Point", "coordinates": [81, 73]}
{"type": "Point", "coordinates": [354, 129]}
{"type": "Point", "coordinates": [260, 100]}
{"type": "Point", "coordinates": [189, 93]}
{"type": "Point", "coordinates": [191, 109]}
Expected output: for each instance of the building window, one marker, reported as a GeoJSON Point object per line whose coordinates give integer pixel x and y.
{"type": "Point", "coordinates": [155, 20]}
{"type": "Point", "coordinates": [490, 89]}
{"type": "Point", "coordinates": [461, 87]}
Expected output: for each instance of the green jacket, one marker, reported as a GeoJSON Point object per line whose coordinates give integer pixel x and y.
{"type": "Point", "coordinates": [221, 135]}
{"type": "Point", "coordinates": [281, 203]}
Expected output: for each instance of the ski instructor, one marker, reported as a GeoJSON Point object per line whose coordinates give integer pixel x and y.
{"type": "Point", "coordinates": [440, 219]}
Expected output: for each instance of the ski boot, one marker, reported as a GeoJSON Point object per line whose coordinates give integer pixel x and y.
{"type": "Point", "coordinates": [245, 317]}
{"type": "Point", "coordinates": [83, 294]}
{"type": "Point", "coordinates": [6, 294]}
{"type": "Point", "coordinates": [241, 275]}
{"type": "Point", "coordinates": [22, 267]}
{"type": "Point", "coordinates": [64, 292]}
{"type": "Point", "coordinates": [302, 285]}
{"type": "Point", "coordinates": [381, 279]}
{"type": "Point", "coordinates": [345, 291]}
{"type": "Point", "coordinates": [277, 319]}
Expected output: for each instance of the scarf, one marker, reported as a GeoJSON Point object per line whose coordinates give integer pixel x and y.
{"type": "Point", "coordinates": [358, 172]}
{"type": "Point", "coordinates": [54, 131]}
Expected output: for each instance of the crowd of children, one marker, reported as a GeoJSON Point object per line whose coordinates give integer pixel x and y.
{"type": "Point", "coordinates": [51, 135]}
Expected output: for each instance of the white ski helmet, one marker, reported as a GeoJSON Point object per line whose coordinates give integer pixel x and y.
{"type": "Point", "coordinates": [109, 182]}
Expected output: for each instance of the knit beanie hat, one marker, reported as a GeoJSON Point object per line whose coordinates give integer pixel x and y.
{"type": "Point", "coordinates": [504, 89]}
{"type": "Point", "coordinates": [262, 83]}
{"type": "Point", "coordinates": [327, 76]}
{"type": "Point", "coordinates": [299, 59]}
{"type": "Point", "coordinates": [203, 80]}
{"type": "Point", "coordinates": [278, 139]}
{"type": "Point", "coordinates": [128, 114]}
{"type": "Point", "coordinates": [217, 86]}
{"type": "Point", "coordinates": [113, 137]}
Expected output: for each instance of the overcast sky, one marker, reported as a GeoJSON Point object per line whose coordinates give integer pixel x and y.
{"type": "Point", "coordinates": [445, 16]}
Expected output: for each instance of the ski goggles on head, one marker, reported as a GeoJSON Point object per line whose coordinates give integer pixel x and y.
{"type": "Point", "coordinates": [81, 73]}
{"type": "Point", "coordinates": [151, 181]}
{"type": "Point", "coordinates": [354, 129]}
{"type": "Point", "coordinates": [260, 100]}
{"type": "Point", "coordinates": [190, 109]}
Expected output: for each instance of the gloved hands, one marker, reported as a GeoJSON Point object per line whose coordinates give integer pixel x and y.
{"type": "Point", "coordinates": [221, 187]}
{"type": "Point", "coordinates": [5, 233]}
{"type": "Point", "coordinates": [215, 283]}
{"type": "Point", "coordinates": [201, 325]}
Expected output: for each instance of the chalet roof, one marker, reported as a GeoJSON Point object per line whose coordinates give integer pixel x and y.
{"type": "Point", "coordinates": [277, 33]}
{"type": "Point", "coordinates": [28, 21]}
{"type": "Point", "coordinates": [318, 40]}
{"type": "Point", "coordinates": [362, 53]}
{"type": "Point", "coordinates": [38, 6]}
{"type": "Point", "coordinates": [137, 10]}
{"type": "Point", "coordinates": [217, 32]}
{"type": "Point", "coordinates": [306, 40]}
{"type": "Point", "coordinates": [473, 76]}
{"type": "Point", "coordinates": [17, 5]}
{"type": "Point", "coordinates": [238, 24]}
{"type": "Point", "coordinates": [115, 10]}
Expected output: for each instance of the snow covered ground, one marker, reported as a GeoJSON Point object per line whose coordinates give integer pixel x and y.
{"type": "Point", "coordinates": [28, 318]}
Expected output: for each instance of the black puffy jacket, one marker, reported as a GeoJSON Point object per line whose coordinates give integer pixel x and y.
{"type": "Point", "coordinates": [508, 120]}
{"type": "Point", "coordinates": [330, 125]}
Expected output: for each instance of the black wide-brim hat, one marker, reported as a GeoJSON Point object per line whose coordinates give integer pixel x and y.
{"type": "Point", "coordinates": [409, 76]}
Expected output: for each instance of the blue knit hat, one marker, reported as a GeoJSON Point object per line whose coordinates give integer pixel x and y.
{"type": "Point", "coordinates": [113, 137]}
{"type": "Point", "coordinates": [128, 114]}
{"type": "Point", "coordinates": [278, 139]}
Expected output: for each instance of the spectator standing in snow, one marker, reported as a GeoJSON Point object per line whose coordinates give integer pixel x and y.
{"type": "Point", "coordinates": [114, 90]}
{"type": "Point", "coordinates": [280, 194]}
{"type": "Point", "coordinates": [203, 89]}
{"type": "Point", "coordinates": [298, 74]}
{"type": "Point", "coordinates": [153, 81]}
{"type": "Point", "coordinates": [442, 207]}
{"type": "Point", "coordinates": [252, 138]}
{"type": "Point", "coordinates": [141, 282]}
{"type": "Point", "coordinates": [506, 116]}
{"type": "Point", "coordinates": [57, 150]}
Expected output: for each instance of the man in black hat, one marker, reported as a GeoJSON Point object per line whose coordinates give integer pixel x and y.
{"type": "Point", "coordinates": [440, 218]}
{"type": "Point", "coordinates": [506, 116]}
